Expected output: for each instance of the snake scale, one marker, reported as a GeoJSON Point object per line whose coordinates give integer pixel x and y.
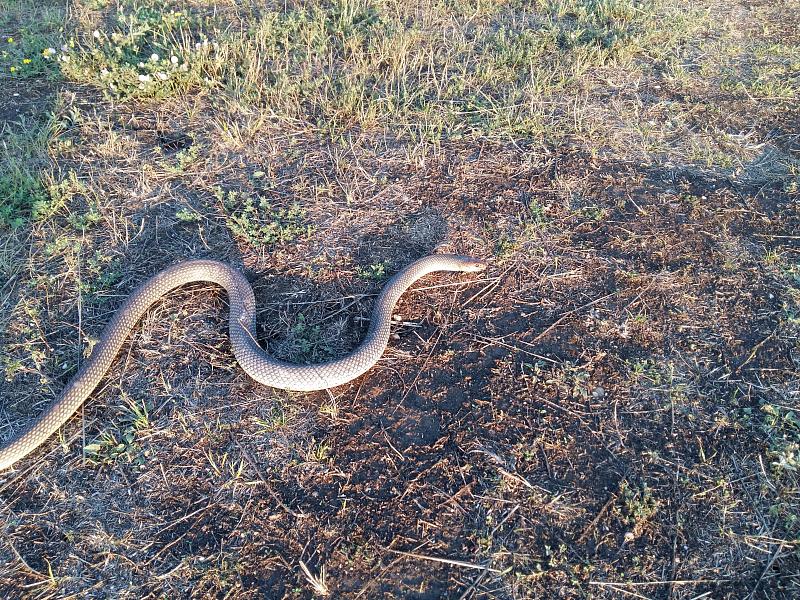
{"type": "Point", "coordinates": [242, 329]}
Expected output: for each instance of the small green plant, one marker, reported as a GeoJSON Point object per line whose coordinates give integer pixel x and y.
{"type": "Point", "coordinates": [330, 408]}
{"type": "Point", "coordinates": [637, 506]}
{"type": "Point", "coordinates": [782, 428]}
{"type": "Point", "coordinates": [100, 272]}
{"type": "Point", "coordinates": [787, 458]}
{"type": "Point", "coordinates": [108, 448]}
{"type": "Point", "coordinates": [27, 354]}
{"type": "Point", "coordinates": [537, 213]}
{"type": "Point", "coordinates": [279, 418]}
{"type": "Point", "coordinates": [184, 160]}
{"type": "Point", "coordinates": [593, 213]}
{"type": "Point", "coordinates": [224, 466]}
{"type": "Point", "coordinates": [19, 190]}
{"type": "Point", "coordinates": [373, 272]}
{"type": "Point", "coordinates": [187, 215]}
{"type": "Point", "coordinates": [120, 443]}
{"type": "Point", "coordinates": [136, 415]}
{"type": "Point", "coordinates": [505, 246]}
{"type": "Point", "coordinates": [318, 452]}
{"type": "Point", "coordinates": [86, 219]}
{"type": "Point", "coordinates": [59, 195]}
{"type": "Point", "coordinates": [24, 172]}
{"type": "Point", "coordinates": [305, 342]}
{"type": "Point", "coordinates": [779, 427]}
{"type": "Point", "coordinates": [255, 221]}
{"type": "Point", "coordinates": [645, 370]}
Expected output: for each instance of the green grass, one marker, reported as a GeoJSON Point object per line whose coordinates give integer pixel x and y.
{"type": "Point", "coordinates": [764, 70]}
{"type": "Point", "coordinates": [148, 53]}
{"type": "Point", "coordinates": [120, 443]}
{"type": "Point", "coordinates": [23, 160]}
{"type": "Point", "coordinates": [31, 37]}
{"type": "Point", "coordinates": [462, 68]}
{"type": "Point", "coordinates": [31, 33]}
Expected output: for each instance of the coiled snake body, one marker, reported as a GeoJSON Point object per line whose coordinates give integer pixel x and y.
{"type": "Point", "coordinates": [242, 327]}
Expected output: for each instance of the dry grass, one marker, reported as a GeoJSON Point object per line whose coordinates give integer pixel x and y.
{"type": "Point", "coordinates": [611, 411]}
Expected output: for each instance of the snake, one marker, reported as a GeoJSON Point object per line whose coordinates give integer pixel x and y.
{"type": "Point", "coordinates": [256, 362]}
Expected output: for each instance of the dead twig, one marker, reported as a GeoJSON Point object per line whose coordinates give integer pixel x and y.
{"type": "Point", "coordinates": [664, 582]}
{"type": "Point", "coordinates": [569, 313]}
{"type": "Point", "coordinates": [420, 370]}
{"type": "Point", "coordinates": [771, 561]}
{"type": "Point", "coordinates": [260, 475]}
{"type": "Point", "coordinates": [446, 561]}
{"type": "Point", "coordinates": [590, 527]}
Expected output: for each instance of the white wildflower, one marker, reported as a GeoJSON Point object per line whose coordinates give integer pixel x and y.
{"type": "Point", "coordinates": [197, 46]}
{"type": "Point", "coordinates": [162, 76]}
{"type": "Point", "coordinates": [154, 57]}
{"type": "Point", "coordinates": [174, 60]}
{"type": "Point", "coordinates": [48, 52]}
{"type": "Point", "coordinates": [103, 73]}
{"type": "Point", "coordinates": [96, 34]}
{"type": "Point", "coordinates": [184, 67]}
{"type": "Point", "coordinates": [144, 78]}
{"type": "Point", "coordinates": [141, 65]}
{"type": "Point", "coordinates": [64, 58]}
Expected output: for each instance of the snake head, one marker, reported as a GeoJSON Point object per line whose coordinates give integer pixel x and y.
{"type": "Point", "coordinates": [468, 264]}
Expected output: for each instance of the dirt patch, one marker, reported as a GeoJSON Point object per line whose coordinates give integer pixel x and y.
{"type": "Point", "coordinates": [25, 98]}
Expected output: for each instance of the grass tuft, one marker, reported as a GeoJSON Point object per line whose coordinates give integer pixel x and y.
{"type": "Point", "coordinates": [23, 164]}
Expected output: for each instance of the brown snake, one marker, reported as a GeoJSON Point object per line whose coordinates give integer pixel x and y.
{"type": "Point", "coordinates": [242, 328]}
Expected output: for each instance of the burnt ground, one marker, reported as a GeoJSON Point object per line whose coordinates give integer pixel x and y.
{"type": "Point", "coordinates": [590, 409]}
{"type": "Point", "coordinates": [609, 411]}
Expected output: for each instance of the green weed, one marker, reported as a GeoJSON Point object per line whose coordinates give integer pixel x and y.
{"type": "Point", "coordinates": [27, 354]}
{"type": "Point", "coordinates": [100, 273]}
{"type": "Point", "coordinates": [148, 53]}
{"type": "Point", "coordinates": [120, 442]}
{"type": "Point", "coordinates": [58, 196]}
{"type": "Point", "coordinates": [373, 272]}
{"type": "Point", "coordinates": [253, 219]}
{"type": "Point", "coordinates": [279, 418]}
{"type": "Point", "coordinates": [318, 452]}
{"type": "Point", "coordinates": [184, 160]}
{"type": "Point", "coordinates": [638, 503]}
{"type": "Point", "coordinates": [306, 343]}
{"type": "Point", "coordinates": [187, 215]}
{"type": "Point", "coordinates": [32, 50]}
{"type": "Point", "coordinates": [645, 371]}
{"type": "Point", "coordinates": [779, 426]}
